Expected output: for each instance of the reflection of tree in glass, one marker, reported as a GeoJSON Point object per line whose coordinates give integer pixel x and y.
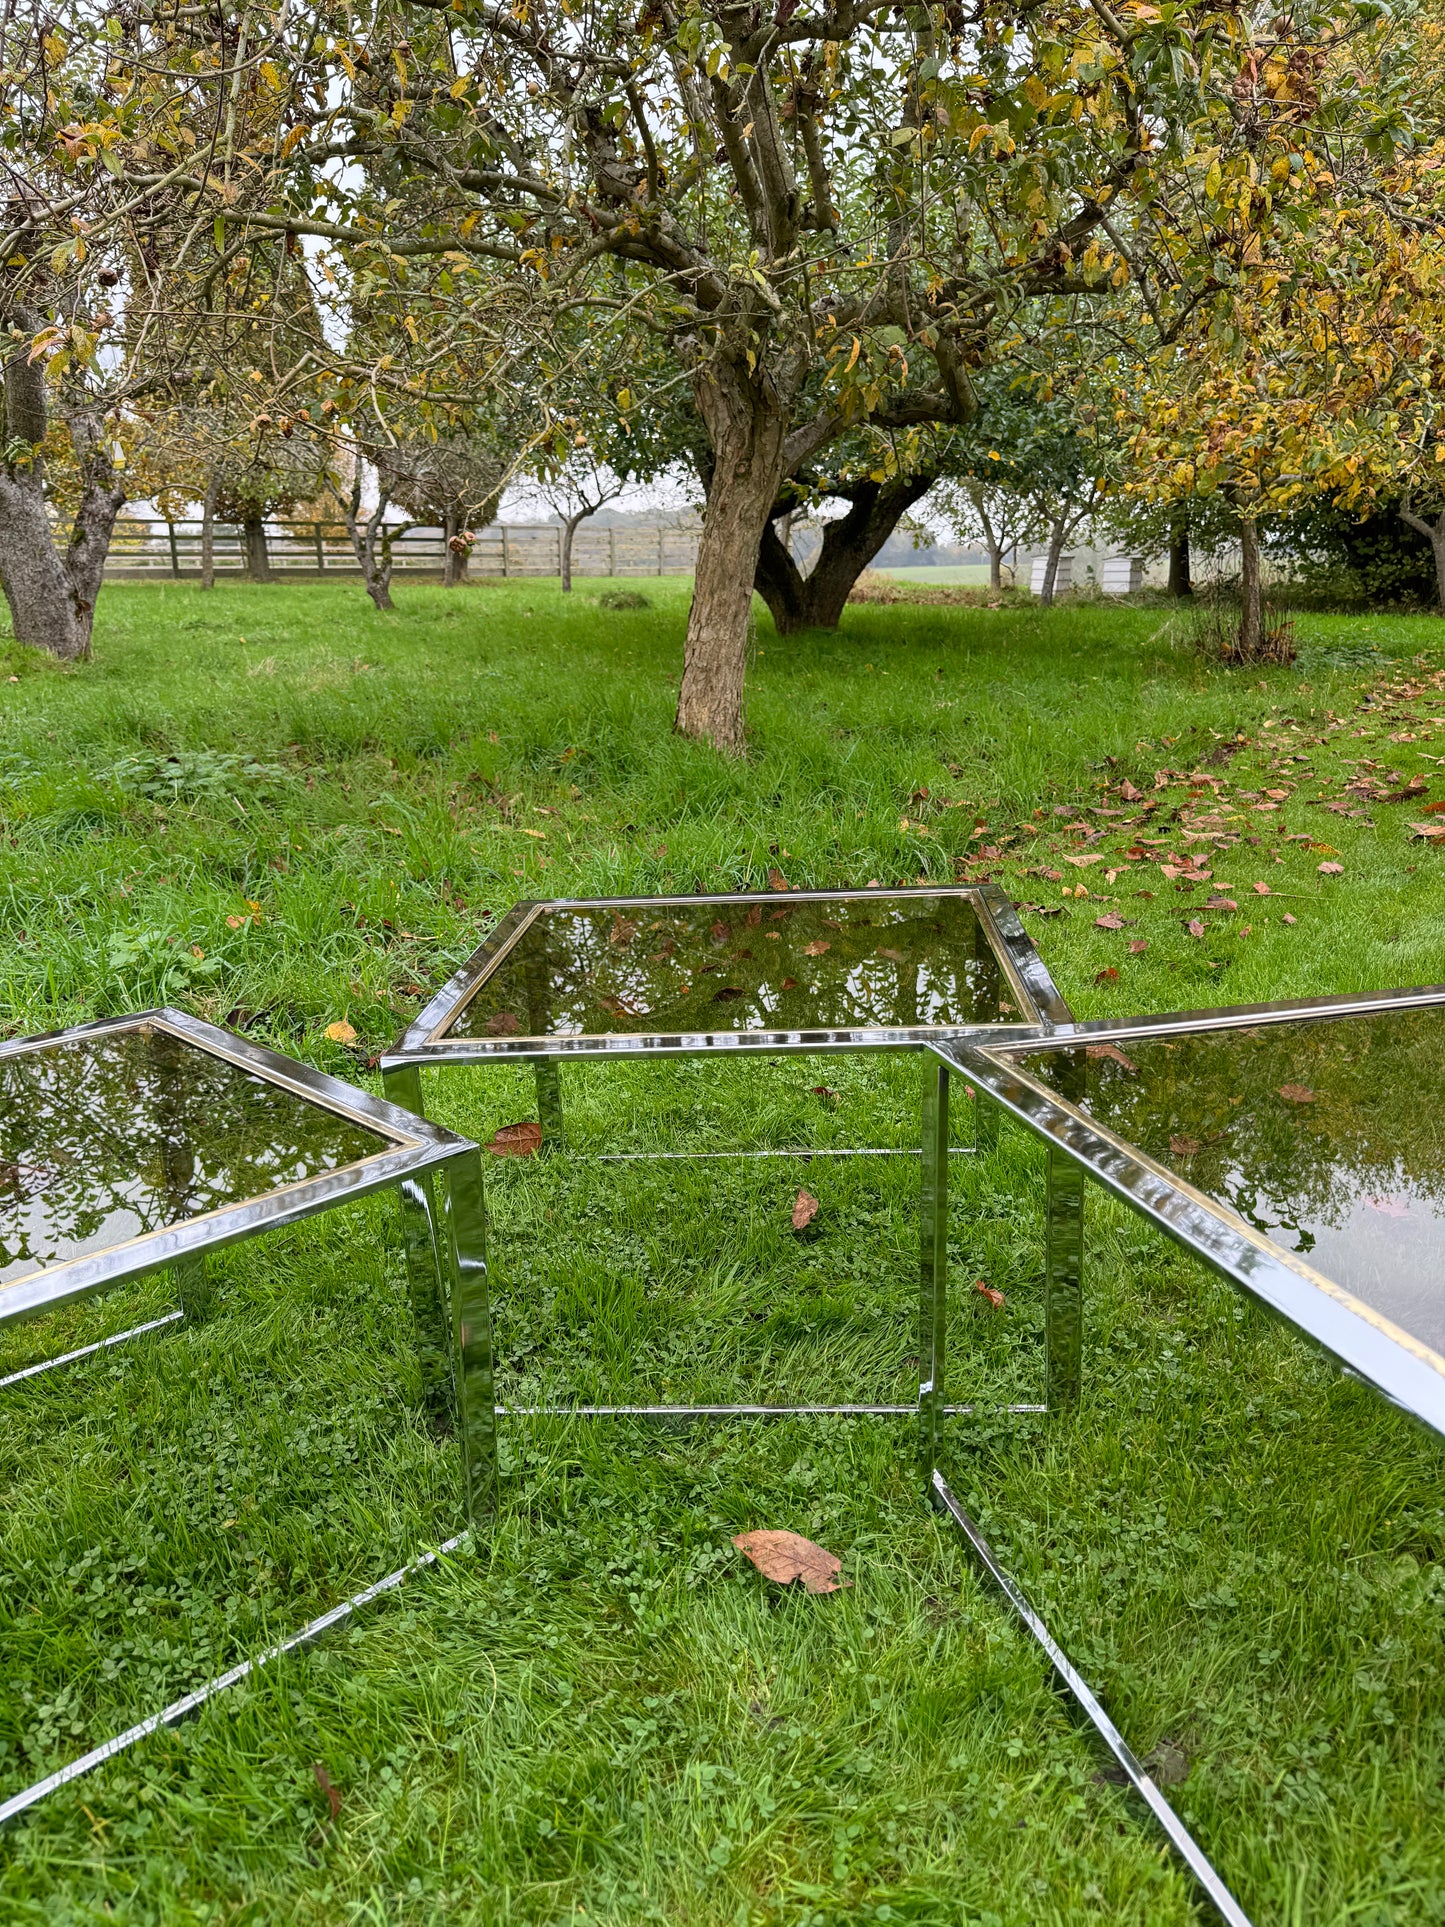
{"type": "Point", "coordinates": [1293, 1123]}
{"type": "Point", "coordinates": [105, 1138]}
{"type": "Point", "coordinates": [741, 967]}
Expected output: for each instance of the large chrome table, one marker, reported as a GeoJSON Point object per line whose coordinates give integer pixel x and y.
{"type": "Point", "coordinates": [1293, 1149]}
{"type": "Point", "coordinates": [768, 974]}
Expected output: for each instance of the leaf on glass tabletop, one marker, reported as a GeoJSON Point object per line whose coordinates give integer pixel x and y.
{"type": "Point", "coordinates": [990, 1292]}
{"type": "Point", "coordinates": [786, 1556]}
{"type": "Point", "coordinates": [1297, 1093]}
{"type": "Point", "coordinates": [1110, 1051]}
{"type": "Point", "coordinates": [816, 947]}
{"type": "Point", "coordinates": [804, 1210]}
{"type": "Point", "coordinates": [1183, 1146]}
{"type": "Point", "coordinates": [623, 930]}
{"type": "Point", "coordinates": [502, 1023]}
{"type": "Point", "coordinates": [894, 956]}
{"type": "Point", "coordinates": [517, 1140]}
{"type": "Point", "coordinates": [340, 1032]}
{"type": "Point", "coordinates": [788, 983]}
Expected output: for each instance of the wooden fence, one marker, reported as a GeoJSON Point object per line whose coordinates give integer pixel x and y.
{"type": "Point", "coordinates": [144, 549]}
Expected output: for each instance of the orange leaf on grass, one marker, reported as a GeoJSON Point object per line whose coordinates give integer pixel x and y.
{"type": "Point", "coordinates": [517, 1140]}
{"type": "Point", "coordinates": [805, 1210]}
{"type": "Point", "coordinates": [816, 947]}
{"type": "Point", "coordinates": [1138, 946]}
{"type": "Point", "coordinates": [991, 1292]}
{"type": "Point", "coordinates": [786, 1556]}
{"type": "Point", "coordinates": [1297, 1093]}
{"type": "Point", "coordinates": [340, 1032]}
{"type": "Point", "coordinates": [1110, 921]}
{"type": "Point", "coordinates": [777, 881]}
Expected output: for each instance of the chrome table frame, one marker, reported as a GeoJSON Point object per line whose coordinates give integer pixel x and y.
{"type": "Point", "coordinates": [444, 1236]}
{"type": "Point", "coordinates": [1002, 942]}
{"type": "Point", "coordinates": [1364, 1342]}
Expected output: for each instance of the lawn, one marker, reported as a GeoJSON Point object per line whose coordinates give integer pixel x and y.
{"type": "Point", "coordinates": [281, 810]}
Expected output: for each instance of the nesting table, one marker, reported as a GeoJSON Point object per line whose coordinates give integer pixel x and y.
{"type": "Point", "coordinates": [1293, 1149]}
{"type": "Point", "coordinates": [771, 973]}
{"type": "Point", "coordinates": [143, 1143]}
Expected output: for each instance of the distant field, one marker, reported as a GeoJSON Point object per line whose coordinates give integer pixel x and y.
{"type": "Point", "coordinates": [971, 573]}
{"type": "Point", "coordinates": [281, 810]}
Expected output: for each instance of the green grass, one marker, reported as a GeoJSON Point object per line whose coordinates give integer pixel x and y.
{"type": "Point", "coordinates": [601, 1712]}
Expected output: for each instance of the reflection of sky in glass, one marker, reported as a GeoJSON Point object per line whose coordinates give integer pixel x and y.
{"type": "Point", "coordinates": [103, 1139]}
{"type": "Point", "coordinates": [1328, 1136]}
{"type": "Point", "coordinates": [734, 967]}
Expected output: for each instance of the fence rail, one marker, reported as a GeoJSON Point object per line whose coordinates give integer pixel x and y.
{"type": "Point", "coordinates": [144, 548]}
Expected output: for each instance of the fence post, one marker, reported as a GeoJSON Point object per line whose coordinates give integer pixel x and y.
{"type": "Point", "coordinates": [320, 548]}
{"type": "Point", "coordinates": [175, 558]}
{"type": "Point", "coordinates": [659, 550]}
{"type": "Point", "coordinates": [612, 551]}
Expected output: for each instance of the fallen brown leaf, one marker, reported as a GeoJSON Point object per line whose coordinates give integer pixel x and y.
{"type": "Point", "coordinates": [805, 1210]}
{"type": "Point", "coordinates": [1129, 793]}
{"type": "Point", "coordinates": [1105, 976]}
{"type": "Point", "coordinates": [333, 1796]}
{"type": "Point", "coordinates": [1297, 1093]}
{"type": "Point", "coordinates": [788, 983]}
{"type": "Point", "coordinates": [895, 956]}
{"type": "Point", "coordinates": [502, 1023]}
{"type": "Point", "coordinates": [816, 947]}
{"type": "Point", "coordinates": [1183, 1146]}
{"type": "Point", "coordinates": [1217, 902]}
{"type": "Point", "coordinates": [623, 930]}
{"type": "Point", "coordinates": [786, 1556]}
{"type": "Point", "coordinates": [777, 881]}
{"type": "Point", "coordinates": [1138, 946]}
{"type": "Point", "coordinates": [1287, 918]}
{"type": "Point", "coordinates": [517, 1140]}
{"type": "Point", "coordinates": [823, 1090]}
{"type": "Point", "coordinates": [340, 1032]}
{"type": "Point", "coordinates": [1260, 889]}
{"type": "Point", "coordinates": [1195, 927]}
{"type": "Point", "coordinates": [991, 1292]}
{"type": "Point", "coordinates": [1110, 1051]}
{"type": "Point", "coordinates": [1332, 869]}
{"type": "Point", "coordinates": [1110, 921]}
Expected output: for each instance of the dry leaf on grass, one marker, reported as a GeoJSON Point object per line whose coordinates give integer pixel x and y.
{"type": "Point", "coordinates": [502, 1023]}
{"type": "Point", "coordinates": [1105, 976]}
{"type": "Point", "coordinates": [1110, 921]}
{"type": "Point", "coordinates": [1138, 946]}
{"type": "Point", "coordinates": [805, 1210]}
{"type": "Point", "coordinates": [1297, 1093]}
{"type": "Point", "coordinates": [776, 880]}
{"type": "Point", "coordinates": [991, 1292]}
{"type": "Point", "coordinates": [517, 1140]}
{"type": "Point", "coordinates": [816, 947]}
{"type": "Point", "coordinates": [1182, 1146]}
{"type": "Point", "coordinates": [786, 1556]}
{"type": "Point", "coordinates": [1331, 869]}
{"type": "Point", "coordinates": [1195, 927]}
{"type": "Point", "coordinates": [340, 1032]}
{"type": "Point", "coordinates": [329, 1788]}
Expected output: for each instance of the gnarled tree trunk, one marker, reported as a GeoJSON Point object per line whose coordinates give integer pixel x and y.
{"type": "Point", "coordinates": [1251, 599]}
{"type": "Point", "coordinates": [371, 544]}
{"type": "Point", "coordinates": [208, 535]}
{"type": "Point", "coordinates": [1058, 535]}
{"type": "Point", "coordinates": [457, 543]}
{"type": "Point", "coordinates": [1179, 578]}
{"type": "Point", "coordinates": [258, 558]}
{"type": "Point", "coordinates": [569, 529]}
{"type": "Point", "coordinates": [747, 425]}
{"type": "Point", "coordinates": [1435, 533]}
{"type": "Point", "coordinates": [850, 542]}
{"type": "Point", "coordinates": [51, 596]}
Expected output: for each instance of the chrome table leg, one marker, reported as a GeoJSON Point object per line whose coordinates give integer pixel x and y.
{"type": "Point", "coordinates": [933, 1265]}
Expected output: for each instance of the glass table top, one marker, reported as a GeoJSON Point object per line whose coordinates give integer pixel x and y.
{"type": "Point", "coordinates": [867, 962]}
{"type": "Point", "coordinates": [1324, 1134]}
{"type": "Point", "coordinates": [105, 1138]}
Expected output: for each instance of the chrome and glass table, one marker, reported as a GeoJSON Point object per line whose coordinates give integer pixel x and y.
{"type": "Point", "coordinates": [776, 973]}
{"type": "Point", "coordinates": [1293, 1148]}
{"type": "Point", "coordinates": [143, 1143]}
